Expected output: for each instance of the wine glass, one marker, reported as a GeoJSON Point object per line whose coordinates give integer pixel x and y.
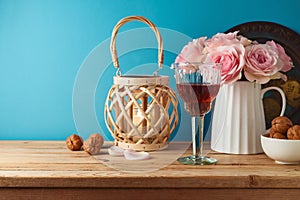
{"type": "Point", "coordinates": [198, 85]}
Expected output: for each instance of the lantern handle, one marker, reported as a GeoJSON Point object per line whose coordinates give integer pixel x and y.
{"type": "Point", "coordinates": [113, 49]}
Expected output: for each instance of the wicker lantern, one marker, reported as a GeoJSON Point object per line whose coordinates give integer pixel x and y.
{"type": "Point", "coordinates": [140, 111]}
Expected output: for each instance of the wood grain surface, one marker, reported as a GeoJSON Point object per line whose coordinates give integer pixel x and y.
{"type": "Point", "coordinates": [44, 169]}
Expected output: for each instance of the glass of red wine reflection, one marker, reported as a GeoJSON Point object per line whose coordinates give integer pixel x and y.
{"type": "Point", "coordinates": [198, 85]}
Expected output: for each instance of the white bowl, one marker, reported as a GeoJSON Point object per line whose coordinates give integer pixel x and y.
{"type": "Point", "coordinates": [283, 151]}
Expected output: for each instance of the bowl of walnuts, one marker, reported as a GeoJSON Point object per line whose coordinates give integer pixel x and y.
{"type": "Point", "coordinates": [282, 141]}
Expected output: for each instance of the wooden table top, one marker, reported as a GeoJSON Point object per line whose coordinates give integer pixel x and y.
{"type": "Point", "coordinates": [49, 164]}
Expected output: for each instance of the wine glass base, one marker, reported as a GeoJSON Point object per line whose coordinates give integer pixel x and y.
{"type": "Point", "coordinates": [197, 160]}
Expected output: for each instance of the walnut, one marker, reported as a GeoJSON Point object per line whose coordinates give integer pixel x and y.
{"type": "Point", "coordinates": [74, 142]}
{"type": "Point", "coordinates": [279, 136]}
{"type": "Point", "coordinates": [281, 124]}
{"type": "Point", "coordinates": [293, 133]}
{"type": "Point", "coordinates": [272, 132]}
{"type": "Point", "coordinates": [93, 144]}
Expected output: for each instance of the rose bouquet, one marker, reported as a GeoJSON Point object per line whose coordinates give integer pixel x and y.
{"type": "Point", "coordinates": [240, 57]}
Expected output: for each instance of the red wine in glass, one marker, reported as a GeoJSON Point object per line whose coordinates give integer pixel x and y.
{"type": "Point", "coordinates": [198, 85]}
{"type": "Point", "coordinates": [197, 97]}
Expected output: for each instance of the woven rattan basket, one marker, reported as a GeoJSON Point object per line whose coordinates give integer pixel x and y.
{"type": "Point", "coordinates": [140, 111]}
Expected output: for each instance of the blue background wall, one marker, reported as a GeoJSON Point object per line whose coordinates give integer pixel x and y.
{"type": "Point", "coordinates": [43, 43]}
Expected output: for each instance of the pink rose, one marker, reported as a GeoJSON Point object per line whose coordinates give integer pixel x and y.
{"type": "Point", "coordinates": [287, 61]}
{"type": "Point", "coordinates": [192, 52]}
{"type": "Point", "coordinates": [265, 61]}
{"type": "Point", "coordinates": [224, 39]}
{"type": "Point", "coordinates": [258, 62]}
{"type": "Point", "coordinates": [232, 59]}
{"type": "Point", "coordinates": [243, 40]}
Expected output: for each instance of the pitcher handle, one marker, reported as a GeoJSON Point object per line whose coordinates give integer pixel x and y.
{"type": "Point", "coordinates": [263, 91]}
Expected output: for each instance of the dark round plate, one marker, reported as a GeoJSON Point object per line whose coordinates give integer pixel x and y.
{"type": "Point", "coordinates": [290, 40]}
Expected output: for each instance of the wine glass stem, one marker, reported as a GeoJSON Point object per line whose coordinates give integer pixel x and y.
{"type": "Point", "coordinates": [197, 135]}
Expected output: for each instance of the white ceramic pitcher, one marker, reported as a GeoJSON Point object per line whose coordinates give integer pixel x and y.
{"type": "Point", "coordinates": [238, 118]}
